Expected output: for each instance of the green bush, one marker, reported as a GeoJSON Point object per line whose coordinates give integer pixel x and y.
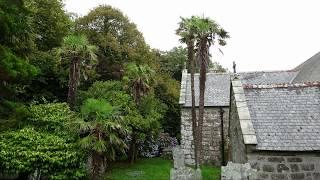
{"type": "Point", "coordinates": [27, 150]}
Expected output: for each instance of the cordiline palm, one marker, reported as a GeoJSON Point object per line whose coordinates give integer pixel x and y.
{"type": "Point", "coordinates": [207, 33]}
{"type": "Point", "coordinates": [187, 34]}
{"type": "Point", "coordinates": [138, 79]}
{"type": "Point", "coordinates": [81, 57]}
{"type": "Point", "coordinates": [102, 134]}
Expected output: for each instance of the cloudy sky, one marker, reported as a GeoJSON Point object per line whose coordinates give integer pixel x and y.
{"type": "Point", "coordinates": [265, 34]}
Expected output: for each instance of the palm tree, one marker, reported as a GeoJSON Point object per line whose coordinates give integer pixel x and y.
{"type": "Point", "coordinates": [186, 32]}
{"type": "Point", "coordinates": [102, 134]}
{"type": "Point", "coordinates": [207, 33]}
{"type": "Point", "coordinates": [138, 79]}
{"type": "Point", "coordinates": [81, 57]}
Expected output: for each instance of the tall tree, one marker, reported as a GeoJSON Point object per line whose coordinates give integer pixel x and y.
{"type": "Point", "coordinates": [207, 32]}
{"type": "Point", "coordinates": [186, 32]}
{"type": "Point", "coordinates": [138, 80]}
{"type": "Point", "coordinates": [118, 39]}
{"type": "Point", "coordinates": [50, 23]}
{"type": "Point", "coordinates": [80, 56]}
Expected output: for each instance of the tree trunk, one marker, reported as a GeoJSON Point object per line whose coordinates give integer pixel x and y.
{"type": "Point", "coordinates": [202, 55]}
{"type": "Point", "coordinates": [74, 72]}
{"type": "Point", "coordinates": [97, 166]}
{"type": "Point", "coordinates": [133, 150]}
{"type": "Point", "coordinates": [193, 109]}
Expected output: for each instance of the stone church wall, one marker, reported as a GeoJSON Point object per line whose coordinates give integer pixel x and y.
{"type": "Point", "coordinates": [285, 165]}
{"type": "Point", "coordinates": [211, 140]}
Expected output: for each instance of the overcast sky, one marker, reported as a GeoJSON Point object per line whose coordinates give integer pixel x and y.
{"type": "Point", "coordinates": [265, 34]}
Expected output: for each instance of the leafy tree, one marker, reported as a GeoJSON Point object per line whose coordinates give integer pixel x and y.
{"type": "Point", "coordinates": [27, 151]}
{"type": "Point", "coordinates": [80, 56]}
{"type": "Point", "coordinates": [217, 67]}
{"type": "Point", "coordinates": [172, 62]}
{"type": "Point", "coordinates": [167, 91]}
{"type": "Point", "coordinates": [15, 27]}
{"type": "Point", "coordinates": [49, 22]}
{"type": "Point", "coordinates": [187, 34]}
{"type": "Point", "coordinates": [102, 134]}
{"type": "Point", "coordinates": [118, 40]}
{"type": "Point", "coordinates": [207, 32]}
{"type": "Point", "coordinates": [138, 80]}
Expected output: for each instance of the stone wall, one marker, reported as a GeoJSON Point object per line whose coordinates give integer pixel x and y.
{"type": "Point", "coordinates": [286, 166]}
{"type": "Point", "coordinates": [237, 149]}
{"type": "Point", "coordinates": [211, 139]}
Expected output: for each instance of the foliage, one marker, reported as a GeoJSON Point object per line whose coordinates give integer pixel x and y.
{"type": "Point", "coordinates": [173, 62]}
{"type": "Point", "coordinates": [153, 145]}
{"type": "Point", "coordinates": [50, 82]}
{"type": "Point", "coordinates": [14, 66]}
{"type": "Point", "coordinates": [113, 93]}
{"type": "Point", "coordinates": [167, 91]}
{"type": "Point", "coordinates": [16, 33]}
{"type": "Point", "coordinates": [102, 134]}
{"type": "Point", "coordinates": [138, 79]}
{"type": "Point", "coordinates": [118, 40]}
{"type": "Point", "coordinates": [50, 23]}
{"type": "Point", "coordinates": [51, 117]}
{"type": "Point", "coordinates": [26, 150]}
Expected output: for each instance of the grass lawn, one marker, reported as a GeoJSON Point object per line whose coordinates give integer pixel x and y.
{"type": "Point", "coordinates": [152, 169]}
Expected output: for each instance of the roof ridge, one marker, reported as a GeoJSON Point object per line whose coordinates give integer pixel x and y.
{"type": "Point", "coordinates": [282, 85]}
{"type": "Point", "coordinates": [269, 71]}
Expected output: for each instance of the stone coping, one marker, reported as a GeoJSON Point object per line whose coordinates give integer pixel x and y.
{"type": "Point", "coordinates": [183, 89]}
{"type": "Point", "coordinates": [248, 132]}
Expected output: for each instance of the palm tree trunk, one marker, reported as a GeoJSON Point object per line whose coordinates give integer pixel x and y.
{"type": "Point", "coordinates": [193, 108]}
{"type": "Point", "coordinates": [73, 82]}
{"type": "Point", "coordinates": [132, 150]}
{"type": "Point", "coordinates": [203, 55]}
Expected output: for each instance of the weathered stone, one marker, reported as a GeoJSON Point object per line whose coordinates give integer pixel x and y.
{"type": "Point", "coordinates": [307, 167]}
{"type": "Point", "coordinates": [276, 159]}
{"type": "Point", "coordinates": [178, 157]}
{"type": "Point", "coordinates": [268, 168]}
{"type": "Point", "coordinates": [235, 171]}
{"type": "Point", "coordinates": [211, 141]}
{"type": "Point", "coordinates": [180, 171]}
{"type": "Point", "coordinates": [263, 176]}
{"type": "Point", "coordinates": [294, 168]}
{"type": "Point", "coordinates": [255, 165]}
{"type": "Point", "coordinates": [297, 176]}
{"type": "Point", "coordinates": [250, 139]}
{"type": "Point", "coordinates": [316, 176]}
{"type": "Point", "coordinates": [294, 159]}
{"type": "Point", "coordinates": [282, 168]}
{"type": "Point", "coordinates": [279, 177]}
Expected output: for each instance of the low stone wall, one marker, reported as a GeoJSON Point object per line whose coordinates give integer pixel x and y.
{"type": "Point", "coordinates": [211, 141]}
{"type": "Point", "coordinates": [284, 166]}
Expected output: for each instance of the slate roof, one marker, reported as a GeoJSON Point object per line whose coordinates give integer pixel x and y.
{"type": "Point", "coordinates": [217, 92]}
{"type": "Point", "coordinates": [285, 117]}
{"type": "Point", "coordinates": [267, 77]}
{"type": "Point", "coordinates": [309, 70]}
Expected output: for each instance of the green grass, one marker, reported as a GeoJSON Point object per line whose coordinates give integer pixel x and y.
{"type": "Point", "coordinates": [152, 169]}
